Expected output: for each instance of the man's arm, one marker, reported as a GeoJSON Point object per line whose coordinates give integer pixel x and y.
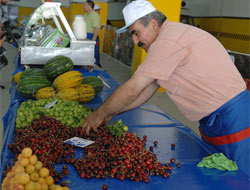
{"type": "Point", "coordinates": [143, 97]}
{"type": "Point", "coordinates": [3, 39]}
{"type": "Point", "coordinates": [118, 101]}
{"type": "Point", "coordinates": [96, 32]}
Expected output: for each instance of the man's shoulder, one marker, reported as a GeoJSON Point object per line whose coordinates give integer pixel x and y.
{"type": "Point", "coordinates": [95, 14]}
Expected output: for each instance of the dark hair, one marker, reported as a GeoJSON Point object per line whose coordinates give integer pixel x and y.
{"type": "Point", "coordinates": [91, 3]}
{"type": "Point", "coordinates": [156, 15]}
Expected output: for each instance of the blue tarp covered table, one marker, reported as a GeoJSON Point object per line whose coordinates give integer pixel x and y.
{"type": "Point", "coordinates": [146, 120]}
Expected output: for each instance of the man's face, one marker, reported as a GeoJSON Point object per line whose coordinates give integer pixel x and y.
{"type": "Point", "coordinates": [98, 11]}
{"type": "Point", "coordinates": [87, 7]}
{"type": "Point", "coordinates": [141, 35]}
{"type": "Point", "coordinates": [4, 2]}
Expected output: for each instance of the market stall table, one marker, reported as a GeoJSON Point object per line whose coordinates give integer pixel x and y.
{"type": "Point", "coordinates": [146, 120]}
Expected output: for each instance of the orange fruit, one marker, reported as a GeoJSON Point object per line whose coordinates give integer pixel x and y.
{"type": "Point", "coordinates": [43, 172]}
{"type": "Point", "coordinates": [49, 180]}
{"type": "Point", "coordinates": [24, 162]}
{"type": "Point", "coordinates": [30, 169]}
{"type": "Point", "coordinates": [33, 159]}
{"type": "Point", "coordinates": [30, 186]}
{"type": "Point", "coordinates": [44, 186]}
{"type": "Point", "coordinates": [41, 180]}
{"type": "Point", "coordinates": [24, 178]}
{"type": "Point", "coordinates": [34, 176]}
{"type": "Point", "coordinates": [26, 152]}
{"type": "Point", "coordinates": [38, 165]}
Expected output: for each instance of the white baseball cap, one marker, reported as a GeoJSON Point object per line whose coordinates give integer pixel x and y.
{"type": "Point", "coordinates": [135, 10]}
{"type": "Point", "coordinates": [96, 7]}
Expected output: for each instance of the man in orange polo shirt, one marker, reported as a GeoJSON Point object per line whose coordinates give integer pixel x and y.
{"type": "Point", "coordinates": [197, 73]}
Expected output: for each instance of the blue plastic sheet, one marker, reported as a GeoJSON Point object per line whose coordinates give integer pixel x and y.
{"type": "Point", "coordinates": [158, 126]}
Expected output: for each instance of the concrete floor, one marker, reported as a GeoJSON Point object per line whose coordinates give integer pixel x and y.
{"type": "Point", "coordinates": [117, 70]}
{"type": "Point", "coordinates": [5, 80]}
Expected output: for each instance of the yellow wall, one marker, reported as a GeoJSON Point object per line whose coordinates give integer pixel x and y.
{"type": "Point", "coordinates": [117, 23]}
{"type": "Point", "coordinates": [233, 33]}
{"type": "Point", "coordinates": [172, 10]}
{"type": "Point", "coordinates": [23, 13]}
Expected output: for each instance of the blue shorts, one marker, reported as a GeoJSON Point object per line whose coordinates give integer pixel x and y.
{"type": "Point", "coordinates": [97, 56]}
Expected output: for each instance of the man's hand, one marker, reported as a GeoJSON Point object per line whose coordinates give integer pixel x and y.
{"type": "Point", "coordinates": [93, 121]}
{"type": "Point", "coordinates": [2, 41]}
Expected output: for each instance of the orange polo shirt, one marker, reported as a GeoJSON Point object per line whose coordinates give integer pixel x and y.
{"type": "Point", "coordinates": [194, 68]}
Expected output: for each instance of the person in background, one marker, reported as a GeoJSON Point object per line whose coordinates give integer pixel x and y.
{"type": "Point", "coordinates": [2, 35]}
{"type": "Point", "coordinates": [97, 8]}
{"type": "Point", "coordinates": [92, 20]}
{"type": "Point", "coordinates": [196, 72]}
{"type": "Point", "coordinates": [2, 39]}
{"type": "Point", "coordinates": [2, 2]}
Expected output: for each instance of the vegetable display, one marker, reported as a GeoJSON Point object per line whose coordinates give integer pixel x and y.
{"type": "Point", "coordinates": [68, 112]}
{"type": "Point", "coordinates": [69, 79]}
{"type": "Point", "coordinates": [68, 94]}
{"type": "Point", "coordinates": [30, 84]}
{"type": "Point", "coordinates": [45, 93]}
{"type": "Point", "coordinates": [28, 173]}
{"type": "Point", "coordinates": [95, 82]}
{"type": "Point", "coordinates": [85, 92]}
{"type": "Point", "coordinates": [57, 66]}
{"type": "Point", "coordinates": [16, 77]}
{"type": "Point", "coordinates": [32, 72]}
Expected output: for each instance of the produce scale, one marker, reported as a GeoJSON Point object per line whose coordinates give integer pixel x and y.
{"type": "Point", "coordinates": [40, 39]}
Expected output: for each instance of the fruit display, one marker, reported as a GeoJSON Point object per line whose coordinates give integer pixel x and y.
{"type": "Point", "coordinates": [69, 79]}
{"type": "Point", "coordinates": [85, 92]}
{"type": "Point", "coordinates": [117, 128]}
{"type": "Point", "coordinates": [28, 173]}
{"type": "Point", "coordinates": [46, 136]}
{"type": "Point", "coordinates": [68, 112]}
{"type": "Point", "coordinates": [95, 82]}
{"type": "Point", "coordinates": [68, 94]}
{"type": "Point", "coordinates": [57, 66]}
{"type": "Point", "coordinates": [32, 72]}
{"type": "Point", "coordinates": [122, 157]}
{"type": "Point", "coordinates": [45, 93]}
{"type": "Point", "coordinates": [16, 77]}
{"type": "Point", "coordinates": [29, 85]}
{"type": "Point", "coordinates": [57, 75]}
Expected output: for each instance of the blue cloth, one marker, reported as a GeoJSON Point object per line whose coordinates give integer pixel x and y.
{"type": "Point", "coordinates": [232, 117]}
{"type": "Point", "coordinates": [97, 56]}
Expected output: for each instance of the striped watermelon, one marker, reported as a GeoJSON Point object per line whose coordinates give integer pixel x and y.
{"type": "Point", "coordinates": [95, 82]}
{"type": "Point", "coordinates": [30, 84]}
{"type": "Point", "coordinates": [57, 66]}
{"type": "Point", "coordinates": [32, 72]}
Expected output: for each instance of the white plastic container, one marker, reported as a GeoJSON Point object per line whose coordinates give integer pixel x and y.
{"type": "Point", "coordinates": [79, 27]}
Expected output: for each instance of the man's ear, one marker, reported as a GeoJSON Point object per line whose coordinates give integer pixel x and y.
{"type": "Point", "coordinates": [154, 24]}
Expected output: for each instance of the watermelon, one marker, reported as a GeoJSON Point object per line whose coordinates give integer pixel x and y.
{"type": "Point", "coordinates": [30, 84]}
{"type": "Point", "coordinates": [95, 82]}
{"type": "Point", "coordinates": [57, 66]}
{"type": "Point", "coordinates": [32, 72]}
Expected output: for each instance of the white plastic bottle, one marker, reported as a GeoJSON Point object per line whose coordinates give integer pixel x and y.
{"type": "Point", "coordinates": [79, 27]}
